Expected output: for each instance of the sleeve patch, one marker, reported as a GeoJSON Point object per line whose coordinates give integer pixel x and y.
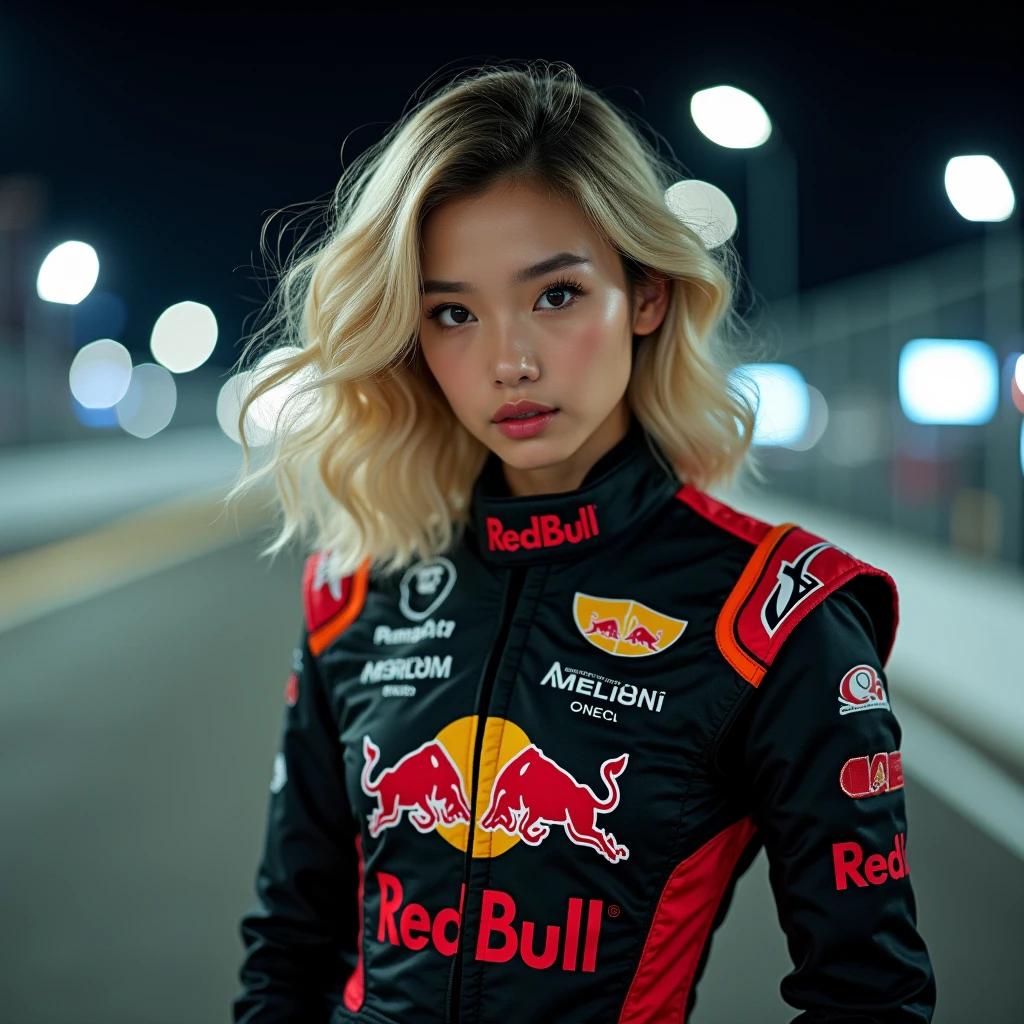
{"type": "Point", "coordinates": [790, 573]}
{"type": "Point", "coordinates": [331, 603]}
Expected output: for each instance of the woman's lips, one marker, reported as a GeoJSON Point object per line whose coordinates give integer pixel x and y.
{"type": "Point", "coordinates": [529, 426]}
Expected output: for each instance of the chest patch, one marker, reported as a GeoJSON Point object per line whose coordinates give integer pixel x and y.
{"type": "Point", "coordinates": [623, 627]}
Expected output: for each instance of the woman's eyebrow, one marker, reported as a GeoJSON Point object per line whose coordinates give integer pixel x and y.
{"type": "Point", "coordinates": [557, 262]}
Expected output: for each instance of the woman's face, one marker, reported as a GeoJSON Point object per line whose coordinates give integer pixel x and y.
{"type": "Point", "coordinates": [525, 310]}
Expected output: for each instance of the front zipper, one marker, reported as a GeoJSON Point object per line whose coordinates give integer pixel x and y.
{"type": "Point", "coordinates": [510, 600]}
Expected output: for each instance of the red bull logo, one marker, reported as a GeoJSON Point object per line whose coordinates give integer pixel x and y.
{"type": "Point", "coordinates": [523, 792]}
{"type": "Point", "coordinates": [847, 859]}
{"type": "Point", "coordinates": [426, 783]}
{"type": "Point", "coordinates": [533, 792]}
{"type": "Point", "coordinates": [543, 532]}
{"type": "Point", "coordinates": [623, 627]}
{"type": "Point", "coordinates": [501, 938]}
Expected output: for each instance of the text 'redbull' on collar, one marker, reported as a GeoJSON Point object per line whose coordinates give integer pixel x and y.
{"type": "Point", "coordinates": [623, 488]}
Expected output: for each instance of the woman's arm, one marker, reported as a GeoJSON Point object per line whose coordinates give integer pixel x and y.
{"type": "Point", "coordinates": [301, 939]}
{"type": "Point", "coordinates": [825, 778]}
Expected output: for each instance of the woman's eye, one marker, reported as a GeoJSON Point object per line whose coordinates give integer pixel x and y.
{"type": "Point", "coordinates": [557, 297]}
{"type": "Point", "coordinates": [453, 316]}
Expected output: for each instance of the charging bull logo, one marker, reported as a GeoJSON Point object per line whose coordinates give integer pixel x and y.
{"type": "Point", "coordinates": [533, 792]}
{"type": "Point", "coordinates": [522, 792]}
{"type": "Point", "coordinates": [425, 782]}
{"type": "Point", "coordinates": [625, 628]}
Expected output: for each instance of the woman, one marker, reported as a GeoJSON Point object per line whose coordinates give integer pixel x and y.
{"type": "Point", "coordinates": [551, 698]}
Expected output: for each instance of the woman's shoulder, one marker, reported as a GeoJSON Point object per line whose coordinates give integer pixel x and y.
{"type": "Point", "coordinates": [331, 600]}
{"type": "Point", "coordinates": [781, 574]}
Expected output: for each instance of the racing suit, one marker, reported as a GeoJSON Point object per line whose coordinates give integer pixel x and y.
{"type": "Point", "coordinates": [626, 690]}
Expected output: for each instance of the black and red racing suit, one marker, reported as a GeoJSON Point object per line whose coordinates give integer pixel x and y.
{"type": "Point", "coordinates": [627, 689]}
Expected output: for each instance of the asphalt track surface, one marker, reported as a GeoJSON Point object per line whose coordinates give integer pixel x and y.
{"type": "Point", "coordinates": [137, 737]}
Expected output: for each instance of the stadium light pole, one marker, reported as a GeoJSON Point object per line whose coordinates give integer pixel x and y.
{"type": "Point", "coordinates": [734, 119]}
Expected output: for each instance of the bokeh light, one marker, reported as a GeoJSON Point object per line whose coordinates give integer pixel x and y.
{"type": "Point", "coordinates": [948, 380]}
{"type": "Point", "coordinates": [100, 373]}
{"type": "Point", "coordinates": [229, 405]}
{"type": "Point", "coordinates": [68, 273]}
{"type": "Point", "coordinates": [105, 417]}
{"type": "Point", "coordinates": [705, 209]}
{"type": "Point", "coordinates": [148, 404]}
{"type": "Point", "coordinates": [1018, 372]}
{"type": "Point", "coordinates": [817, 421]}
{"type": "Point", "coordinates": [730, 117]}
{"type": "Point", "coordinates": [184, 336]}
{"type": "Point", "coordinates": [267, 410]}
{"type": "Point", "coordinates": [979, 189]}
{"type": "Point", "coordinates": [782, 398]}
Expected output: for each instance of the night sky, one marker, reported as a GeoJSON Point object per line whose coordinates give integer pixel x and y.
{"type": "Point", "coordinates": [167, 135]}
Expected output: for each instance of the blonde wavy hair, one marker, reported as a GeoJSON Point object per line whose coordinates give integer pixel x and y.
{"type": "Point", "coordinates": [368, 459]}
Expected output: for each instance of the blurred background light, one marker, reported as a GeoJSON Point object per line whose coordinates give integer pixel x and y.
{"type": "Point", "coordinates": [948, 380]}
{"type": "Point", "coordinates": [266, 410]}
{"type": "Point", "coordinates": [149, 402]}
{"type": "Point", "coordinates": [978, 188]}
{"type": "Point", "coordinates": [1018, 372]}
{"type": "Point", "coordinates": [817, 421]}
{"type": "Point", "coordinates": [100, 373]}
{"type": "Point", "coordinates": [229, 405]}
{"type": "Point", "coordinates": [184, 336]}
{"type": "Point", "coordinates": [68, 273]}
{"type": "Point", "coordinates": [704, 208]}
{"type": "Point", "coordinates": [782, 399]}
{"type": "Point", "coordinates": [730, 117]}
{"type": "Point", "coordinates": [98, 315]}
{"type": "Point", "coordinates": [104, 417]}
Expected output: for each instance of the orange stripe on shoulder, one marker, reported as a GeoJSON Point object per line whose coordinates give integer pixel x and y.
{"type": "Point", "coordinates": [743, 661]}
{"type": "Point", "coordinates": [331, 604]}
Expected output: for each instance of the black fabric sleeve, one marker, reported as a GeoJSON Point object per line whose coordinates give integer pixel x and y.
{"type": "Point", "coordinates": [837, 862]}
{"type": "Point", "coordinates": [301, 938]}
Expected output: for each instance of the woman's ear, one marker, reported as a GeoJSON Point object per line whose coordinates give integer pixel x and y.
{"type": "Point", "coordinates": [651, 304]}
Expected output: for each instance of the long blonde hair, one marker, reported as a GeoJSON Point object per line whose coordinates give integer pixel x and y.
{"type": "Point", "coordinates": [377, 465]}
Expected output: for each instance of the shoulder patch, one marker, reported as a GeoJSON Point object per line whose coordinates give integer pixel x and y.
{"type": "Point", "coordinates": [743, 526]}
{"type": "Point", "coordinates": [790, 572]}
{"type": "Point", "coordinates": [331, 603]}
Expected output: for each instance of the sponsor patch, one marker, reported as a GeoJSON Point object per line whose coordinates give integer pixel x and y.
{"type": "Point", "coordinates": [851, 866]}
{"type": "Point", "coordinates": [794, 584]}
{"type": "Point", "coordinates": [544, 531]}
{"type": "Point", "coordinates": [625, 628]}
{"type": "Point", "coordinates": [415, 667]}
{"type": "Point", "coordinates": [601, 688]}
{"type": "Point", "coordinates": [861, 690]}
{"type": "Point", "coordinates": [398, 690]}
{"type": "Point", "coordinates": [424, 588]}
{"type": "Point", "coordinates": [432, 629]}
{"type": "Point", "coordinates": [870, 776]}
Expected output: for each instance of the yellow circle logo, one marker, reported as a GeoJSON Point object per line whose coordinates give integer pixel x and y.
{"type": "Point", "coordinates": [502, 741]}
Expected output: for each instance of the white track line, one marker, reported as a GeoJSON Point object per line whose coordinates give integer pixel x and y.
{"type": "Point", "coordinates": [962, 777]}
